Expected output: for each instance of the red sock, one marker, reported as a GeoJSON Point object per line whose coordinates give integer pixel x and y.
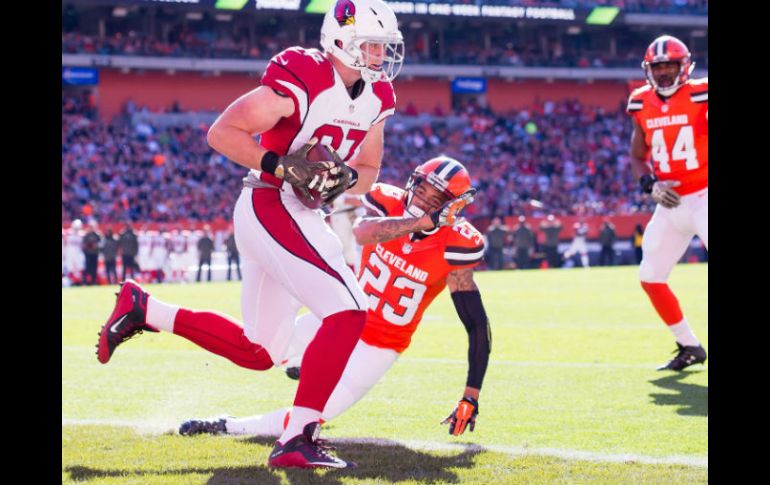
{"type": "Point", "coordinates": [664, 301]}
{"type": "Point", "coordinates": [222, 336]}
{"type": "Point", "coordinates": [326, 357]}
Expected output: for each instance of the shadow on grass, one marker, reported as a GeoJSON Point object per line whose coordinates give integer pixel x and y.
{"type": "Point", "coordinates": [693, 399]}
{"type": "Point", "coordinates": [389, 462]}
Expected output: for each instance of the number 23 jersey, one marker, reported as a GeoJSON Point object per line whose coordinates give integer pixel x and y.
{"type": "Point", "coordinates": [401, 277]}
{"type": "Point", "coordinates": [676, 130]}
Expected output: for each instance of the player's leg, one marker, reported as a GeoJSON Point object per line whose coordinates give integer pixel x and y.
{"type": "Point", "coordinates": [700, 216]}
{"type": "Point", "coordinates": [300, 250]}
{"type": "Point", "coordinates": [367, 365]}
{"type": "Point", "coordinates": [665, 241]}
{"type": "Point", "coordinates": [136, 310]}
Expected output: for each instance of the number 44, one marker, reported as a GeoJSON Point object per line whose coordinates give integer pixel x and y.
{"type": "Point", "coordinates": [684, 149]}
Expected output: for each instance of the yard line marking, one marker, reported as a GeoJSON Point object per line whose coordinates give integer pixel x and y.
{"type": "Point", "coordinates": [687, 460]}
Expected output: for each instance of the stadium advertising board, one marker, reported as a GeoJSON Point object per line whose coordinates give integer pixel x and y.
{"type": "Point", "coordinates": [79, 76]}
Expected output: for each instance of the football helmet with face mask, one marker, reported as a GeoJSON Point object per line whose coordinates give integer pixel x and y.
{"type": "Point", "coordinates": [364, 35]}
{"type": "Point", "coordinates": [443, 173]}
{"type": "Point", "coordinates": [668, 49]}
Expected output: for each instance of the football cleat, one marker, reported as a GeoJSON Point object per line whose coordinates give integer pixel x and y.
{"type": "Point", "coordinates": [202, 426]}
{"type": "Point", "coordinates": [306, 451]}
{"type": "Point", "coordinates": [127, 319]}
{"type": "Point", "coordinates": [292, 373]}
{"type": "Point", "coordinates": [685, 357]}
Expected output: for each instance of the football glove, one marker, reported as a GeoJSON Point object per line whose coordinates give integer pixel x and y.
{"type": "Point", "coordinates": [464, 415]}
{"type": "Point", "coordinates": [664, 194]}
{"type": "Point", "coordinates": [301, 173]}
{"type": "Point", "coordinates": [448, 214]}
{"type": "Point", "coordinates": [341, 179]}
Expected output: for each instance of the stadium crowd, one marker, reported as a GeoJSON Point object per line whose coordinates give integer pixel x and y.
{"type": "Point", "coordinates": [569, 157]}
{"type": "Point", "coordinates": [461, 47]}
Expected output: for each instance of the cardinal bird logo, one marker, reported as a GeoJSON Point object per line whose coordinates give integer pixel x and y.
{"type": "Point", "coordinates": [345, 12]}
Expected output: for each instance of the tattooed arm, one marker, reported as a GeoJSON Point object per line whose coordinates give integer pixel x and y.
{"type": "Point", "coordinates": [461, 280]}
{"type": "Point", "coordinates": [373, 229]}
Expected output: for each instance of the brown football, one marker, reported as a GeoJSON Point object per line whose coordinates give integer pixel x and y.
{"type": "Point", "coordinates": [319, 153]}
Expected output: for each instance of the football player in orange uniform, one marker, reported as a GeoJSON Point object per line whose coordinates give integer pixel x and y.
{"type": "Point", "coordinates": [670, 117]}
{"type": "Point", "coordinates": [414, 246]}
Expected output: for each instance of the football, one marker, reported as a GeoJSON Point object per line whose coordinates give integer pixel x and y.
{"type": "Point", "coordinates": [319, 153]}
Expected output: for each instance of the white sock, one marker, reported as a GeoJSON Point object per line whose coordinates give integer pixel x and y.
{"type": "Point", "coordinates": [161, 315]}
{"type": "Point", "coordinates": [683, 334]}
{"type": "Point", "coordinates": [300, 417]}
{"type": "Point", "coordinates": [270, 424]}
{"type": "Point", "coordinates": [584, 260]}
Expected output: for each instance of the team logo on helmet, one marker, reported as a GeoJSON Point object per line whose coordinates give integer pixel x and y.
{"type": "Point", "coordinates": [345, 12]}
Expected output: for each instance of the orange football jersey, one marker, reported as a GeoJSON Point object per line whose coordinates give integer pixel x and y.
{"type": "Point", "coordinates": [677, 132]}
{"type": "Point", "coordinates": [401, 277]}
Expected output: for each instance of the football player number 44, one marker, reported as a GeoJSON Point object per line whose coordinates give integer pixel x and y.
{"type": "Point", "coordinates": [684, 149]}
{"type": "Point", "coordinates": [377, 274]}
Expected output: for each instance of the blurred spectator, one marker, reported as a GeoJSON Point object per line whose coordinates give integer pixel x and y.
{"type": "Point", "coordinates": [607, 238]}
{"type": "Point", "coordinates": [205, 248]}
{"type": "Point", "coordinates": [497, 238]}
{"type": "Point", "coordinates": [551, 227]}
{"type": "Point", "coordinates": [129, 248]}
{"type": "Point", "coordinates": [636, 242]}
{"type": "Point", "coordinates": [110, 247]}
{"type": "Point", "coordinates": [91, 251]}
{"type": "Point", "coordinates": [524, 242]}
{"type": "Point", "coordinates": [575, 161]}
{"type": "Point", "coordinates": [232, 255]}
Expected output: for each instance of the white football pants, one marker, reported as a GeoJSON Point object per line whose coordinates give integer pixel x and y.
{"type": "Point", "coordinates": [669, 233]}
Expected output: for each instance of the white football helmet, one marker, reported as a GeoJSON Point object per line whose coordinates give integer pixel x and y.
{"type": "Point", "coordinates": [348, 24]}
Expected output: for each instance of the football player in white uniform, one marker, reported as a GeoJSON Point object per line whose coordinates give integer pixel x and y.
{"type": "Point", "coordinates": [579, 245]}
{"type": "Point", "coordinates": [76, 259]}
{"type": "Point", "coordinates": [416, 245]}
{"type": "Point", "coordinates": [290, 257]}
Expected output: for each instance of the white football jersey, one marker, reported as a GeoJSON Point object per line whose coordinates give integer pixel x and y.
{"type": "Point", "coordinates": [323, 107]}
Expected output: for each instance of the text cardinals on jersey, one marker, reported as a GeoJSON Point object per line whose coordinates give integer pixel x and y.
{"type": "Point", "coordinates": [323, 107]}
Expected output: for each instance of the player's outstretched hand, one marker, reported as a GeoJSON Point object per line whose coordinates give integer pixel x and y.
{"type": "Point", "coordinates": [664, 194]}
{"type": "Point", "coordinates": [448, 214]}
{"type": "Point", "coordinates": [464, 415]}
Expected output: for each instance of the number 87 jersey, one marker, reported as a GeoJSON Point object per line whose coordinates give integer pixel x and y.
{"type": "Point", "coordinates": [676, 132]}
{"type": "Point", "coordinates": [401, 277]}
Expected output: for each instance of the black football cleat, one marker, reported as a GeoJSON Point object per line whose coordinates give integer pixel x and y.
{"type": "Point", "coordinates": [127, 319]}
{"type": "Point", "coordinates": [306, 451]}
{"type": "Point", "coordinates": [293, 373]}
{"type": "Point", "coordinates": [685, 357]}
{"type": "Point", "coordinates": [203, 426]}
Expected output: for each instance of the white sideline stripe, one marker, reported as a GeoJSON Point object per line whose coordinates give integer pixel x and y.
{"type": "Point", "coordinates": [437, 360]}
{"type": "Point", "coordinates": [512, 363]}
{"type": "Point", "coordinates": [694, 461]}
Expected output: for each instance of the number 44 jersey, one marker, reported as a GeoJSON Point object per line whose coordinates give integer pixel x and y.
{"type": "Point", "coordinates": [676, 130]}
{"type": "Point", "coordinates": [401, 277]}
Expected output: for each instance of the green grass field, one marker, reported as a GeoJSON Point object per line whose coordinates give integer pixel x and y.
{"type": "Point", "coordinates": [571, 394]}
